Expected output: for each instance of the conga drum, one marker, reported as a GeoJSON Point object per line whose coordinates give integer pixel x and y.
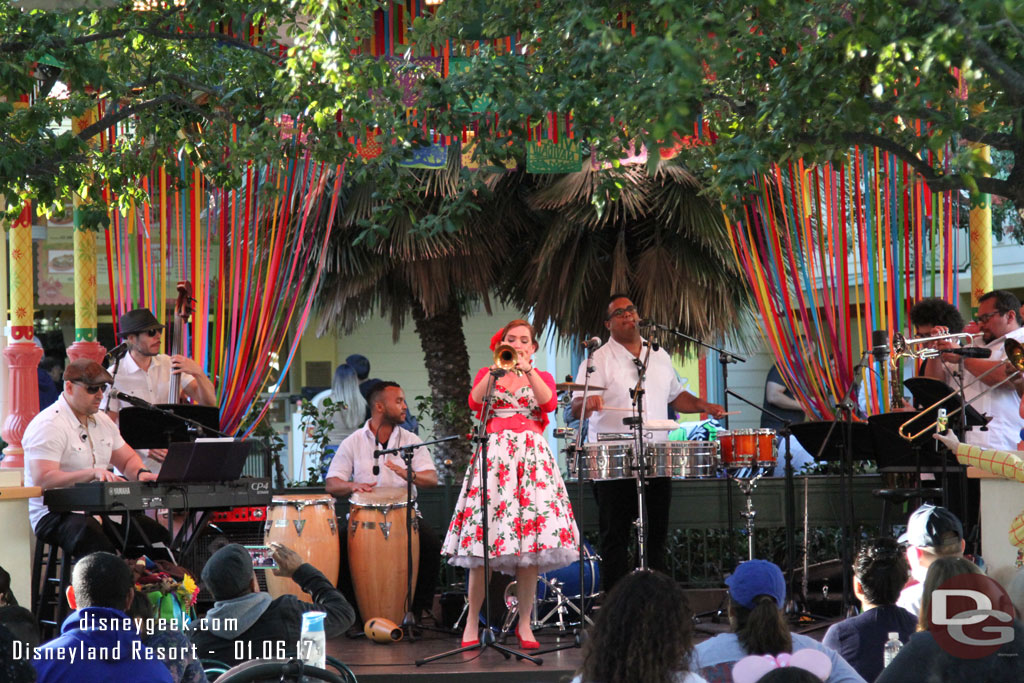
{"type": "Point", "coordinates": [306, 523]}
{"type": "Point", "coordinates": [377, 552]}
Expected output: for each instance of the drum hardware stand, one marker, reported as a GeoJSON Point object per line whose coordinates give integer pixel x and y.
{"type": "Point", "coordinates": [724, 359]}
{"type": "Point", "coordinates": [406, 452]}
{"type": "Point", "coordinates": [486, 634]}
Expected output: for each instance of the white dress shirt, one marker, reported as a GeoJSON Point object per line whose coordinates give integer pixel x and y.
{"type": "Point", "coordinates": [1002, 404]}
{"type": "Point", "coordinates": [354, 461]}
{"type": "Point", "coordinates": [56, 434]}
{"type": "Point", "coordinates": [152, 385]}
{"type": "Point", "coordinates": [615, 369]}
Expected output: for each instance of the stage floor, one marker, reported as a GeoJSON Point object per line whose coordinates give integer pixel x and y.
{"type": "Point", "coordinates": [374, 663]}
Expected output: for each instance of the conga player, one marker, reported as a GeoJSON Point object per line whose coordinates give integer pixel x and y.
{"type": "Point", "coordinates": [355, 469]}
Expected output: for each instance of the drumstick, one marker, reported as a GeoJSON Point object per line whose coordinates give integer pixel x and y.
{"type": "Point", "coordinates": [732, 412]}
{"type": "Point", "coordinates": [613, 408]}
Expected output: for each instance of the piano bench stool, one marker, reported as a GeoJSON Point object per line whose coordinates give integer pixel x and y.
{"type": "Point", "coordinates": [51, 575]}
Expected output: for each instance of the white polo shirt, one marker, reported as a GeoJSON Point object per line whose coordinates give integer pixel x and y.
{"type": "Point", "coordinates": [616, 371]}
{"type": "Point", "coordinates": [1002, 404]}
{"type": "Point", "coordinates": [150, 385]}
{"type": "Point", "coordinates": [353, 461]}
{"type": "Point", "coordinates": [56, 434]}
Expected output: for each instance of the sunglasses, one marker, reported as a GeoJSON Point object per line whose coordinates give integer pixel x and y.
{"type": "Point", "coordinates": [619, 312]}
{"type": "Point", "coordinates": [91, 388]}
{"type": "Point", "coordinates": [153, 332]}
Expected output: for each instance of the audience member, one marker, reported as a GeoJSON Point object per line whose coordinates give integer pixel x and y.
{"type": "Point", "coordinates": [345, 390]}
{"type": "Point", "coordinates": [924, 658]}
{"type": "Point", "coordinates": [757, 591]}
{"type": "Point", "coordinates": [243, 620]}
{"type": "Point", "coordinates": [13, 668]}
{"type": "Point", "coordinates": [932, 532]}
{"type": "Point", "coordinates": [6, 594]}
{"type": "Point", "coordinates": [49, 372]}
{"type": "Point", "coordinates": [879, 572]}
{"type": "Point", "coordinates": [366, 386]}
{"type": "Point", "coordinates": [171, 645]}
{"type": "Point", "coordinates": [643, 634]}
{"type": "Point", "coordinates": [803, 666]}
{"type": "Point", "coordinates": [96, 644]}
{"type": "Point", "coordinates": [22, 623]}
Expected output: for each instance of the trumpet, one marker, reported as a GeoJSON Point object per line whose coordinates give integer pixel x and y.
{"type": "Point", "coordinates": [1014, 356]}
{"type": "Point", "coordinates": [506, 358]}
{"type": "Point", "coordinates": [901, 345]}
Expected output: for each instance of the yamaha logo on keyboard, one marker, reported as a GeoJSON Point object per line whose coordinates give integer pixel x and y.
{"type": "Point", "coordinates": [120, 491]}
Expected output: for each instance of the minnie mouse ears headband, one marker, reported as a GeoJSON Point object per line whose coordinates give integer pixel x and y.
{"type": "Point", "coordinates": [751, 669]}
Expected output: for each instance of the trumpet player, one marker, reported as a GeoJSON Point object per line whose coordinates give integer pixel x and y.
{"type": "Point", "coordinates": [933, 317]}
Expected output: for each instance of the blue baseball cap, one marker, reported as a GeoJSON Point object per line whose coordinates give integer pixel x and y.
{"type": "Point", "coordinates": [754, 578]}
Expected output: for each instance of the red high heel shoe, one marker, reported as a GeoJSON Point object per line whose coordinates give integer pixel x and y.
{"type": "Point", "coordinates": [469, 643]}
{"type": "Point", "coordinates": [526, 644]}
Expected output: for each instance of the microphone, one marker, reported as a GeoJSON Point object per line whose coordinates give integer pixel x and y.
{"type": "Point", "coordinates": [880, 345]}
{"type": "Point", "coordinates": [376, 464]}
{"type": "Point", "coordinates": [592, 343]}
{"type": "Point", "coordinates": [972, 352]}
{"type": "Point", "coordinates": [132, 400]}
{"type": "Point", "coordinates": [118, 351]}
{"type": "Point", "coordinates": [646, 323]}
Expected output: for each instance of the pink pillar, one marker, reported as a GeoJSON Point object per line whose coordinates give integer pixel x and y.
{"type": "Point", "coordinates": [22, 353]}
{"type": "Point", "coordinates": [23, 363]}
{"type": "Point", "coordinates": [87, 349]}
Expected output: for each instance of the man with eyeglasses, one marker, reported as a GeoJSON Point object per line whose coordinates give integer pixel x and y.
{"type": "Point", "coordinates": [146, 373]}
{"type": "Point", "coordinates": [616, 370]}
{"type": "Point", "coordinates": [997, 321]}
{"type": "Point", "coordinates": [70, 442]}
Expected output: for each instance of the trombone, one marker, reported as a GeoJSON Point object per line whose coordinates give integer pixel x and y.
{"type": "Point", "coordinates": [1014, 355]}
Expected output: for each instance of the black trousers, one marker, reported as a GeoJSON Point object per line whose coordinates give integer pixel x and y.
{"type": "Point", "coordinates": [426, 579]}
{"type": "Point", "coordinates": [617, 508]}
{"type": "Point", "coordinates": [78, 534]}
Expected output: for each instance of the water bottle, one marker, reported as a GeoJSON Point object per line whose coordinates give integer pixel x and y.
{"type": "Point", "coordinates": [313, 640]}
{"type": "Point", "coordinates": [891, 648]}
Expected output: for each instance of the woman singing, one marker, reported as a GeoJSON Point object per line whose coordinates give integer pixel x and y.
{"type": "Point", "coordinates": [530, 525]}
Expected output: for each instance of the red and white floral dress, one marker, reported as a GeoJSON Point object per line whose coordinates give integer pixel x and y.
{"type": "Point", "coordinates": [530, 520]}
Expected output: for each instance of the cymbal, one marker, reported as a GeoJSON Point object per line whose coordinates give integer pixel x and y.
{"type": "Point", "coordinates": [573, 386]}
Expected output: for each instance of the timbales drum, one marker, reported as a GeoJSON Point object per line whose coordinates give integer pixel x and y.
{"type": "Point", "coordinates": [377, 552]}
{"type": "Point", "coordinates": [307, 524]}
{"type": "Point", "coordinates": [683, 459]}
{"type": "Point", "coordinates": [599, 461]}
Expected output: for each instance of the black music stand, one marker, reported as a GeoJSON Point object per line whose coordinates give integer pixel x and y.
{"type": "Point", "coordinates": [165, 424]}
{"type": "Point", "coordinates": [927, 392]}
{"type": "Point", "coordinates": [812, 436]}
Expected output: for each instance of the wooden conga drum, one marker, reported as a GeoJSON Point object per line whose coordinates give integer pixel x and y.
{"type": "Point", "coordinates": [306, 523]}
{"type": "Point", "coordinates": [377, 552]}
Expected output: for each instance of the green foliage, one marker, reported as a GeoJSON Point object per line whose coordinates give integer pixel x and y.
{"type": "Point", "coordinates": [316, 423]}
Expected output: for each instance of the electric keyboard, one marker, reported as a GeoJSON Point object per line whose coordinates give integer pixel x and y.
{"type": "Point", "coordinates": [120, 496]}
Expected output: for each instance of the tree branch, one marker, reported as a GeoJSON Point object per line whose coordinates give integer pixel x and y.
{"type": "Point", "coordinates": [124, 112]}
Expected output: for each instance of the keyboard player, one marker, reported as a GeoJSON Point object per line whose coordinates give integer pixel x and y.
{"type": "Point", "coordinates": [70, 442]}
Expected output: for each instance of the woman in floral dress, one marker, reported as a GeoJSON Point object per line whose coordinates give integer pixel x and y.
{"type": "Point", "coordinates": [530, 525]}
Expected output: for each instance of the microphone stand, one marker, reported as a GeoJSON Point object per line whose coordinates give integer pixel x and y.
{"type": "Point", "coordinates": [845, 408]}
{"type": "Point", "coordinates": [724, 359]}
{"type": "Point", "coordinates": [406, 453]}
{"type": "Point", "coordinates": [579, 633]}
{"type": "Point", "coordinates": [486, 634]}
